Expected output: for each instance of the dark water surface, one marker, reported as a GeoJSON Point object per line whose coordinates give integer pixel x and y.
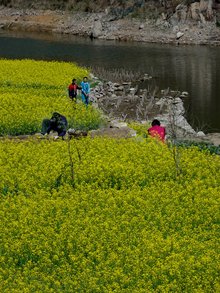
{"type": "Point", "coordinates": [195, 69]}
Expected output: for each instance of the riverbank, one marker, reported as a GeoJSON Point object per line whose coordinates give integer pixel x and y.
{"type": "Point", "coordinates": [124, 102]}
{"type": "Point", "coordinates": [52, 22]}
{"type": "Point", "coordinates": [105, 26]}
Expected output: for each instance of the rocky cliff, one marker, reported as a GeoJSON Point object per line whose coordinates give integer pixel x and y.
{"type": "Point", "coordinates": [164, 21]}
{"type": "Point", "coordinates": [199, 9]}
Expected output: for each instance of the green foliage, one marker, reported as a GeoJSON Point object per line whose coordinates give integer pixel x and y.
{"type": "Point", "coordinates": [141, 129]}
{"type": "Point", "coordinates": [202, 146]}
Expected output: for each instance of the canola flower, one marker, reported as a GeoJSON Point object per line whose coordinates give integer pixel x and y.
{"type": "Point", "coordinates": [32, 90]}
{"type": "Point", "coordinates": [38, 74]}
{"type": "Point", "coordinates": [128, 225]}
{"type": "Point", "coordinates": [98, 214]}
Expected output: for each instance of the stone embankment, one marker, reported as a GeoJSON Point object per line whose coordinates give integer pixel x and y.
{"type": "Point", "coordinates": [123, 102]}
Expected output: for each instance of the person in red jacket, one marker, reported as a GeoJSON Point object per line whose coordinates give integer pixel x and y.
{"type": "Point", "coordinates": [72, 89]}
{"type": "Point", "coordinates": [157, 131]}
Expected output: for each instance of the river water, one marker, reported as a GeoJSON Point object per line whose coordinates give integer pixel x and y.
{"type": "Point", "coordinates": [195, 69]}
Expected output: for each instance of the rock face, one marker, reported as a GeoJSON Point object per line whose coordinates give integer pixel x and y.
{"type": "Point", "coordinates": [97, 29]}
{"type": "Point", "coordinates": [174, 120]}
{"type": "Point", "coordinates": [195, 22]}
{"type": "Point", "coordinates": [198, 12]}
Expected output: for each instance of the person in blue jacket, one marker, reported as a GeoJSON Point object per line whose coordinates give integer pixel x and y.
{"type": "Point", "coordinates": [85, 90]}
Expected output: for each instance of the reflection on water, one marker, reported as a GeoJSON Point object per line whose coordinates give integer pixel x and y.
{"type": "Point", "coordinates": [195, 69]}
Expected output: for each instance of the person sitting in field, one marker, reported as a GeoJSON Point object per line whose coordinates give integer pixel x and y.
{"type": "Point", "coordinates": [72, 90]}
{"type": "Point", "coordinates": [56, 123]}
{"type": "Point", "coordinates": [156, 130]}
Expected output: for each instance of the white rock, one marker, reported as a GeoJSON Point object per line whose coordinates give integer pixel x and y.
{"type": "Point", "coordinates": [184, 94]}
{"type": "Point", "coordinates": [200, 133]}
{"type": "Point", "coordinates": [117, 124]}
{"type": "Point", "coordinates": [71, 131]}
{"type": "Point", "coordinates": [179, 35]}
{"type": "Point", "coordinates": [161, 101]}
{"type": "Point", "coordinates": [132, 90]}
{"type": "Point", "coordinates": [97, 29]}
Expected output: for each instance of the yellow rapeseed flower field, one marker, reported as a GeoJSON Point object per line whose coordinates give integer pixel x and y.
{"type": "Point", "coordinates": [106, 215]}
{"type": "Point", "coordinates": [32, 90]}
